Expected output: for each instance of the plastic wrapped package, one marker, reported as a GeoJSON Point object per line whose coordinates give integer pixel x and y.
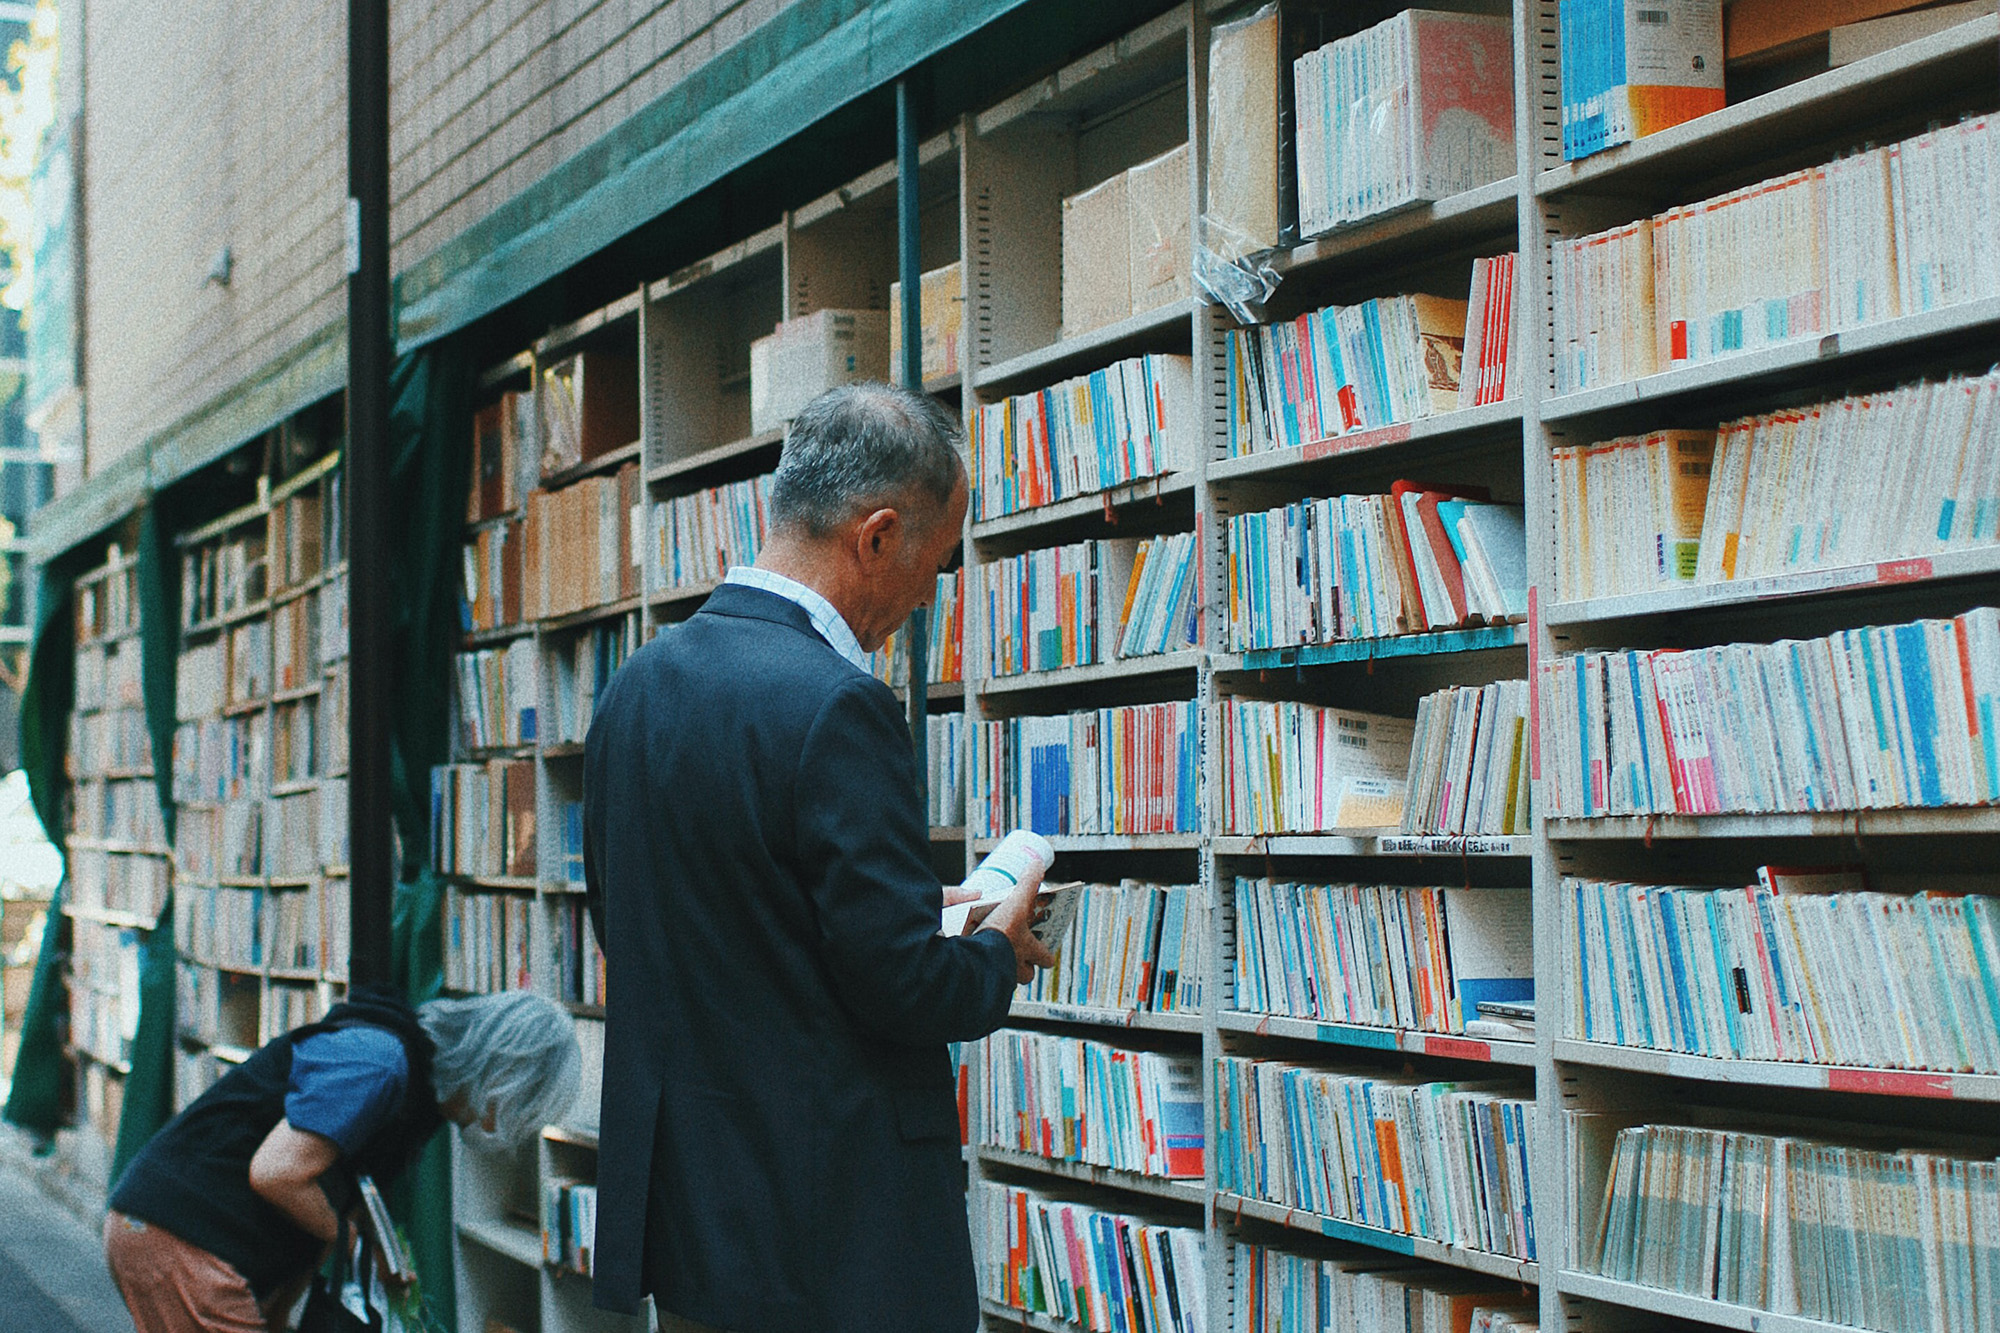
{"type": "Point", "coordinates": [1242, 216]}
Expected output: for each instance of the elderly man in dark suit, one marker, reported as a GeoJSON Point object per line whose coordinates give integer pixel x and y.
{"type": "Point", "coordinates": [779, 1142]}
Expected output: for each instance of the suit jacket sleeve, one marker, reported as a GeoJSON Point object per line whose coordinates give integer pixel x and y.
{"type": "Point", "coordinates": [864, 858]}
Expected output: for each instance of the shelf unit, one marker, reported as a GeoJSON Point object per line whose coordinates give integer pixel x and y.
{"type": "Point", "coordinates": [991, 191]}
{"type": "Point", "coordinates": [260, 901]}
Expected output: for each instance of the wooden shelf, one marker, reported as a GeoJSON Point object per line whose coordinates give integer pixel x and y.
{"type": "Point", "coordinates": [1484, 210]}
{"type": "Point", "coordinates": [1147, 490]}
{"type": "Point", "coordinates": [609, 461]}
{"type": "Point", "coordinates": [1984, 820]}
{"type": "Point", "coordinates": [1448, 846]}
{"type": "Point", "coordinates": [487, 638]}
{"type": "Point", "coordinates": [721, 453]}
{"type": "Point", "coordinates": [1108, 842]}
{"type": "Point", "coordinates": [1485, 638]}
{"type": "Point", "coordinates": [507, 1238]}
{"type": "Point", "coordinates": [1674, 1305]}
{"type": "Point", "coordinates": [592, 614]}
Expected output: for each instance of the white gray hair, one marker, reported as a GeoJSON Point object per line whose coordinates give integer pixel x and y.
{"type": "Point", "coordinates": [859, 447]}
{"type": "Point", "coordinates": [515, 1052]}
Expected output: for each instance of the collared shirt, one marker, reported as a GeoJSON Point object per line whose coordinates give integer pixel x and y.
{"type": "Point", "coordinates": [831, 625]}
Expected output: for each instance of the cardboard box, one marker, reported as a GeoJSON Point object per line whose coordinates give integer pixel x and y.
{"type": "Point", "coordinates": [1858, 41]}
{"type": "Point", "coordinates": [803, 358]}
{"type": "Point", "coordinates": [1760, 27]}
{"type": "Point", "coordinates": [941, 316]}
{"type": "Point", "coordinates": [1096, 258]}
{"type": "Point", "coordinates": [1157, 207]}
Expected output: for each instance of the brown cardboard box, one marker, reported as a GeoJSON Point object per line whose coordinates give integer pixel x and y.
{"type": "Point", "coordinates": [1858, 41]}
{"type": "Point", "coordinates": [1157, 206]}
{"type": "Point", "coordinates": [802, 358]}
{"type": "Point", "coordinates": [1756, 27]}
{"type": "Point", "coordinates": [941, 316]}
{"type": "Point", "coordinates": [1096, 258]}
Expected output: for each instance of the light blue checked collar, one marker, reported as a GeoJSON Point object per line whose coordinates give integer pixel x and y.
{"type": "Point", "coordinates": [829, 622]}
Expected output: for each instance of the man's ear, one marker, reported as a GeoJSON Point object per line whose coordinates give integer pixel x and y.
{"type": "Point", "coordinates": [877, 530]}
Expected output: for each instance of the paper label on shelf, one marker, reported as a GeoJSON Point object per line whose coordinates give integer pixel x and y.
{"type": "Point", "coordinates": [1444, 844]}
{"type": "Point", "coordinates": [1347, 444]}
{"type": "Point", "coordinates": [1892, 1082]}
{"type": "Point", "coordinates": [1458, 1048]}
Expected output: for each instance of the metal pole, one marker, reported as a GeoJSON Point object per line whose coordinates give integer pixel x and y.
{"type": "Point", "coordinates": [909, 267]}
{"type": "Point", "coordinates": [371, 678]}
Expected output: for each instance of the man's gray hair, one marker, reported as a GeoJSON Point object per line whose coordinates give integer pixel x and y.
{"type": "Point", "coordinates": [862, 447]}
{"type": "Point", "coordinates": [514, 1052]}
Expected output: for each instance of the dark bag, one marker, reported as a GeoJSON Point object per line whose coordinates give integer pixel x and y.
{"type": "Point", "coordinates": [325, 1312]}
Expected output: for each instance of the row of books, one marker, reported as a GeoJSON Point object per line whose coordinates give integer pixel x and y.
{"type": "Point", "coordinates": [1883, 233]}
{"type": "Point", "coordinates": [1381, 955]}
{"type": "Point", "coordinates": [487, 941]}
{"type": "Point", "coordinates": [1132, 420]}
{"type": "Point", "coordinates": [104, 989]}
{"type": "Point", "coordinates": [295, 643]}
{"type": "Point", "coordinates": [1108, 1272]}
{"type": "Point", "coordinates": [1078, 605]}
{"type": "Point", "coordinates": [295, 741]}
{"type": "Point", "coordinates": [1109, 770]}
{"type": "Point", "coordinates": [1300, 768]}
{"type": "Point", "coordinates": [578, 672]}
{"type": "Point", "coordinates": [1342, 369]}
{"type": "Point", "coordinates": [1074, 1100]}
{"type": "Point", "coordinates": [1871, 718]}
{"type": "Point", "coordinates": [1370, 566]}
{"type": "Point", "coordinates": [1803, 965]}
{"type": "Point", "coordinates": [1469, 762]}
{"type": "Point", "coordinates": [1897, 1240]}
{"type": "Point", "coordinates": [1779, 493]}
{"type": "Point", "coordinates": [491, 598]}
{"type": "Point", "coordinates": [107, 676]}
{"type": "Point", "coordinates": [286, 1007]}
{"type": "Point", "coordinates": [497, 696]}
{"type": "Point", "coordinates": [944, 783]}
{"type": "Point", "coordinates": [483, 819]}
{"type": "Point", "coordinates": [291, 837]}
{"type": "Point", "coordinates": [579, 959]}
{"type": "Point", "coordinates": [298, 537]}
{"type": "Point", "coordinates": [200, 673]}
{"type": "Point", "coordinates": [113, 741]}
{"type": "Point", "coordinates": [1417, 108]}
{"type": "Point", "coordinates": [293, 846]}
{"type": "Point", "coordinates": [1369, 1292]}
{"type": "Point", "coordinates": [1630, 71]}
{"type": "Point", "coordinates": [1437, 1160]}
{"type": "Point", "coordinates": [222, 758]}
{"type": "Point", "coordinates": [944, 657]}
{"type": "Point", "coordinates": [108, 604]}
{"type": "Point", "coordinates": [250, 927]}
{"type": "Point", "coordinates": [506, 456]}
{"type": "Point", "coordinates": [569, 1224]}
{"type": "Point", "coordinates": [246, 677]}
{"type": "Point", "coordinates": [579, 545]}
{"type": "Point", "coordinates": [697, 537]}
{"type": "Point", "coordinates": [1131, 946]}
{"type": "Point", "coordinates": [222, 577]}
{"type": "Point", "coordinates": [123, 810]}
{"type": "Point", "coordinates": [107, 881]}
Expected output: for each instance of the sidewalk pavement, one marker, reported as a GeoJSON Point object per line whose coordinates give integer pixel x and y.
{"type": "Point", "coordinates": [52, 1274]}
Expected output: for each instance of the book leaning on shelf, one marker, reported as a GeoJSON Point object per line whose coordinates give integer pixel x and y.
{"type": "Point", "coordinates": [1077, 605]}
{"type": "Point", "coordinates": [1381, 956]}
{"type": "Point", "coordinates": [1132, 946]}
{"type": "Point", "coordinates": [1425, 557]}
{"type": "Point", "coordinates": [1415, 109]}
{"type": "Point", "coordinates": [1900, 474]}
{"type": "Point", "coordinates": [1865, 719]}
{"type": "Point", "coordinates": [696, 538]}
{"type": "Point", "coordinates": [1109, 770]}
{"type": "Point", "coordinates": [1300, 768]}
{"type": "Point", "coordinates": [1900, 1240]}
{"type": "Point", "coordinates": [1132, 420]}
{"type": "Point", "coordinates": [1804, 965]}
{"type": "Point", "coordinates": [1469, 762]}
{"type": "Point", "coordinates": [1094, 1269]}
{"type": "Point", "coordinates": [578, 547]}
{"type": "Point", "coordinates": [1369, 1292]}
{"type": "Point", "coordinates": [1446, 1162]}
{"type": "Point", "coordinates": [1883, 233]}
{"type": "Point", "coordinates": [1074, 1100]}
{"type": "Point", "coordinates": [483, 819]}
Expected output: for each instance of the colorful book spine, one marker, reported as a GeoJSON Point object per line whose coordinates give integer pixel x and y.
{"type": "Point", "coordinates": [1469, 762]}
{"type": "Point", "coordinates": [1093, 1269]}
{"type": "Point", "coordinates": [1300, 768]}
{"type": "Point", "coordinates": [486, 941]}
{"type": "Point", "coordinates": [1073, 1100]}
{"type": "Point", "coordinates": [498, 696]}
{"type": "Point", "coordinates": [1108, 771]}
{"type": "Point", "coordinates": [1277, 1292]}
{"type": "Point", "coordinates": [1132, 947]}
{"type": "Point", "coordinates": [696, 538]}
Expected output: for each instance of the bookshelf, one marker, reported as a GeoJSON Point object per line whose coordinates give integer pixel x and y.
{"type": "Point", "coordinates": [996, 191]}
{"type": "Point", "coordinates": [260, 902]}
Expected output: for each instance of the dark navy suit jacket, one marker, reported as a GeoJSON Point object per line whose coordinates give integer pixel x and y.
{"type": "Point", "coordinates": [779, 1139]}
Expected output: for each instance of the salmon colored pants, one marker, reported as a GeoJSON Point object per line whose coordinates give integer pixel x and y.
{"type": "Point", "coordinates": [171, 1286]}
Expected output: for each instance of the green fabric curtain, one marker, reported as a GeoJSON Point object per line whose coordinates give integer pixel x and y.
{"type": "Point", "coordinates": [430, 442]}
{"type": "Point", "coordinates": [149, 1088]}
{"type": "Point", "coordinates": [40, 1097]}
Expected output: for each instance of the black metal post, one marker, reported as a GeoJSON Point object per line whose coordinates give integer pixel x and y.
{"type": "Point", "coordinates": [909, 267]}
{"type": "Point", "coordinates": [371, 857]}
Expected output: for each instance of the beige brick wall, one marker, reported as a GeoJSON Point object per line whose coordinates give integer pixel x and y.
{"type": "Point", "coordinates": [212, 124]}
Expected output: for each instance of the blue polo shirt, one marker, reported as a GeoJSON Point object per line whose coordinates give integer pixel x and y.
{"type": "Point", "coordinates": [346, 1084]}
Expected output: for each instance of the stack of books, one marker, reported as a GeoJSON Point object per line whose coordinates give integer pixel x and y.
{"type": "Point", "coordinates": [1469, 766]}
{"type": "Point", "coordinates": [1109, 770]}
{"type": "Point", "coordinates": [1369, 566]}
{"type": "Point", "coordinates": [1381, 956]}
{"type": "Point", "coordinates": [1865, 719]}
{"type": "Point", "coordinates": [1073, 1100]}
{"type": "Point", "coordinates": [1300, 768]}
{"type": "Point", "coordinates": [1803, 965]}
{"type": "Point", "coordinates": [1418, 108]}
{"type": "Point", "coordinates": [1131, 420]}
{"type": "Point", "coordinates": [1131, 946]}
{"type": "Point", "coordinates": [1434, 1160]}
{"type": "Point", "coordinates": [1087, 1267]}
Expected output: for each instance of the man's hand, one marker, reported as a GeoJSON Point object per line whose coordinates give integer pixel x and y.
{"type": "Point", "coordinates": [1015, 918]}
{"type": "Point", "coordinates": [954, 894]}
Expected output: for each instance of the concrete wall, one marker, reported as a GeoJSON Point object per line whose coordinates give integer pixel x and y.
{"type": "Point", "coordinates": [210, 125]}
